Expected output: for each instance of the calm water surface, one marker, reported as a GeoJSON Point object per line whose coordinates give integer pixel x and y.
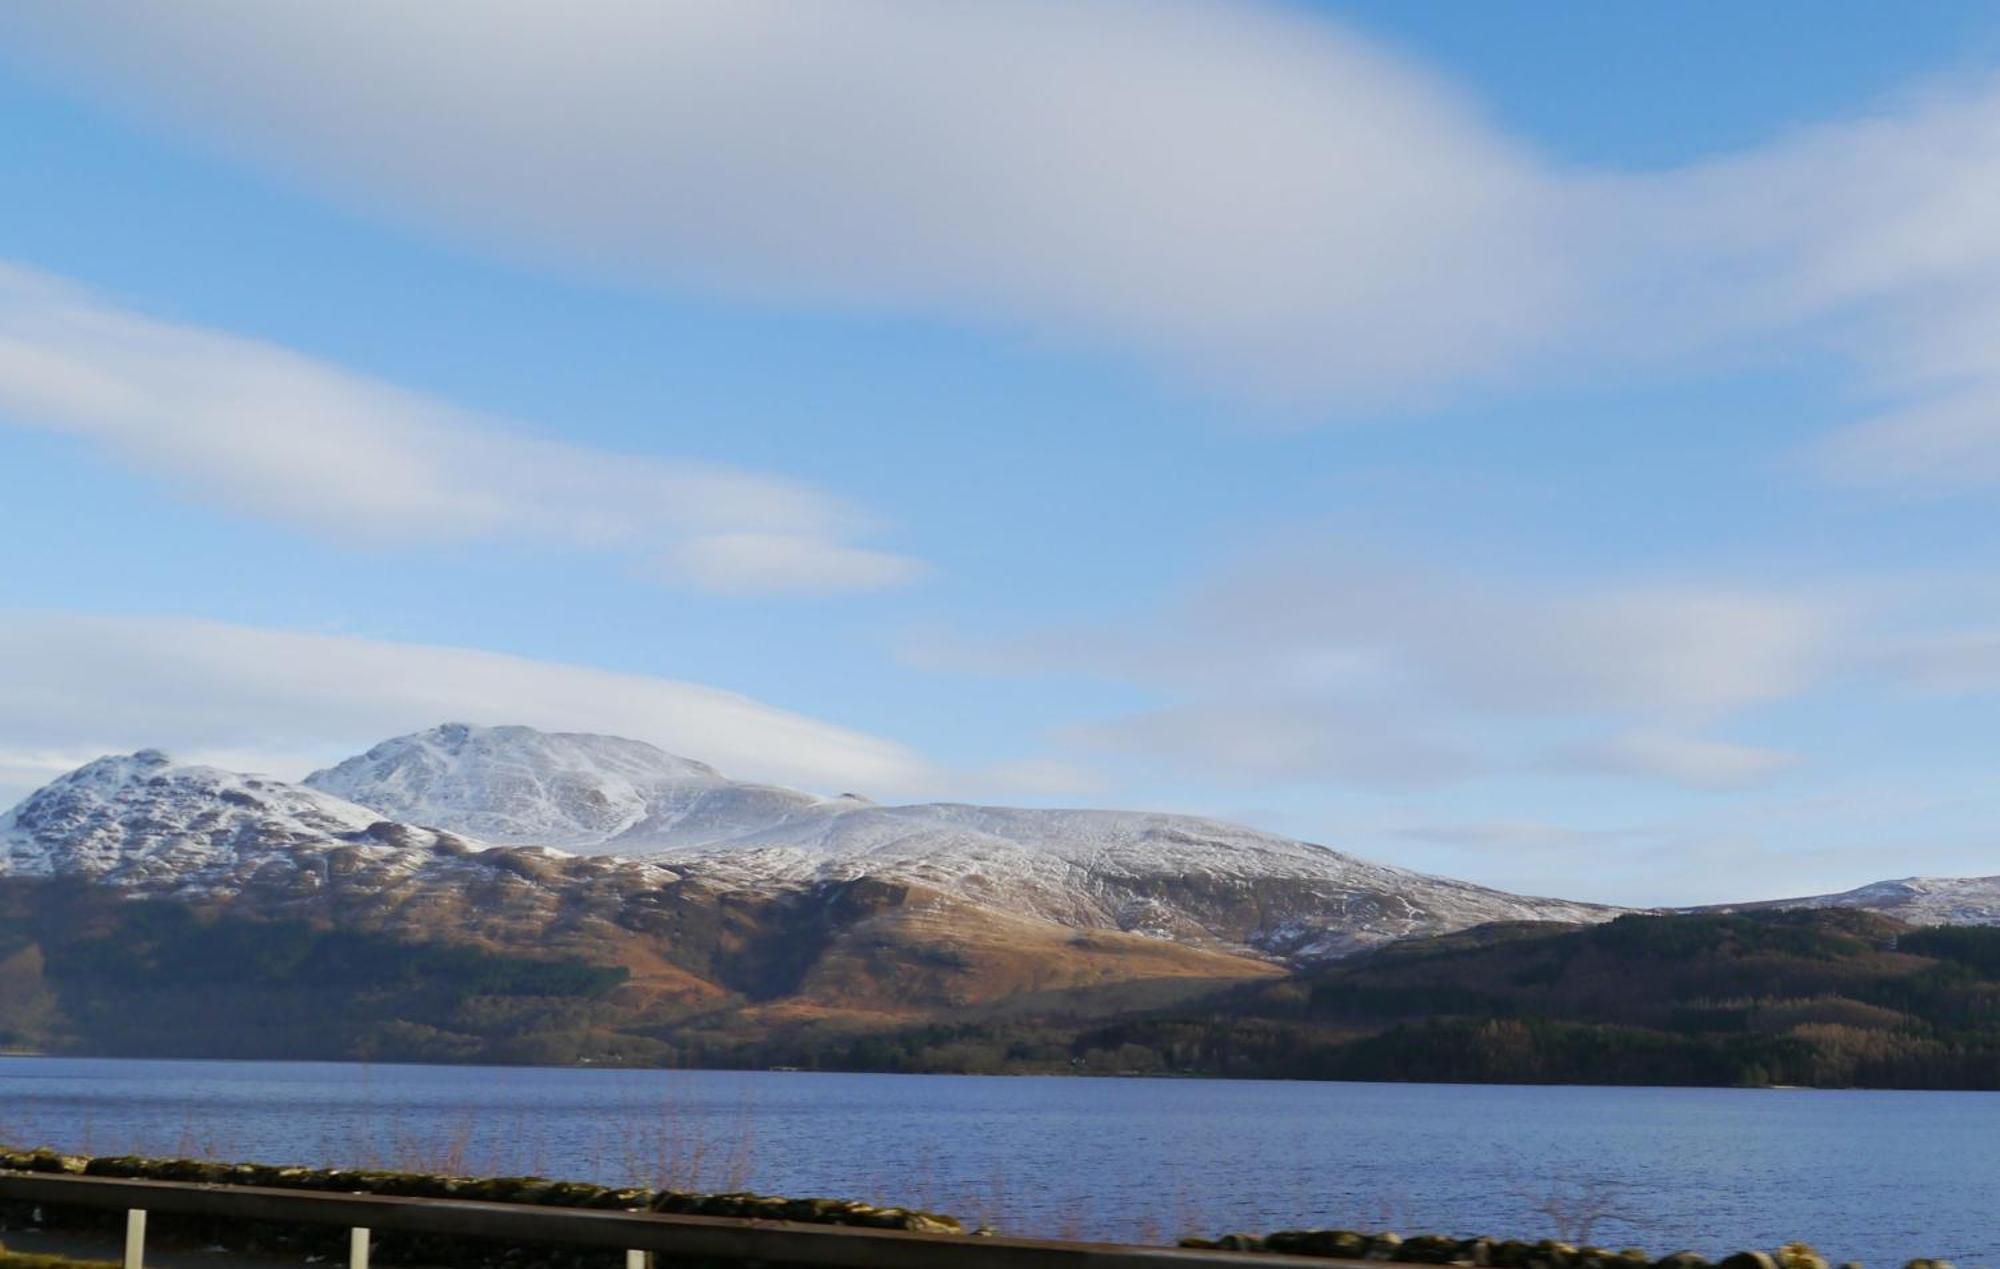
{"type": "Point", "coordinates": [1877, 1176]}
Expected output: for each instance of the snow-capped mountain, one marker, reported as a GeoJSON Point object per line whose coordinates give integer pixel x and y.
{"type": "Point", "coordinates": [748, 897]}
{"type": "Point", "coordinates": [519, 786]}
{"type": "Point", "coordinates": [1172, 876]}
{"type": "Point", "coordinates": [144, 820]}
{"type": "Point", "coordinates": [1918, 900]}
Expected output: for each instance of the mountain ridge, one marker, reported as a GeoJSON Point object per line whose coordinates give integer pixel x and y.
{"type": "Point", "coordinates": [1918, 900]}
{"type": "Point", "coordinates": [1178, 877]}
{"type": "Point", "coordinates": [755, 898]}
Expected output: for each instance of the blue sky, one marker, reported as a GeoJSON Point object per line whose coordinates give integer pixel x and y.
{"type": "Point", "coordinates": [1548, 444]}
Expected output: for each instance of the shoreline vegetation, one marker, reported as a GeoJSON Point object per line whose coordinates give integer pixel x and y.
{"type": "Point", "coordinates": [1570, 1251]}
{"type": "Point", "coordinates": [1821, 998]}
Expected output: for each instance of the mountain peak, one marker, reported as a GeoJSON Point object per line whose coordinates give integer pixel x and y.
{"type": "Point", "coordinates": [120, 768]}
{"type": "Point", "coordinates": [122, 810]}
{"type": "Point", "coordinates": [517, 785]}
{"type": "Point", "coordinates": [516, 742]}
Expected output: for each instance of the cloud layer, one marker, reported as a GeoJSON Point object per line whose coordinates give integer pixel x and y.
{"type": "Point", "coordinates": [1248, 195]}
{"type": "Point", "coordinates": [1241, 193]}
{"type": "Point", "coordinates": [260, 428]}
{"type": "Point", "coordinates": [73, 687]}
{"type": "Point", "coordinates": [1291, 668]}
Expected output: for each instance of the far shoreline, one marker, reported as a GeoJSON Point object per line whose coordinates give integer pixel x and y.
{"type": "Point", "coordinates": [1163, 1077]}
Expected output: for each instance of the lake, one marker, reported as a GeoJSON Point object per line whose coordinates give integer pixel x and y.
{"type": "Point", "coordinates": [1874, 1176]}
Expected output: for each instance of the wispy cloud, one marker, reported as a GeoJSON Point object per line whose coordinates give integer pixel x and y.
{"type": "Point", "coordinates": [753, 563]}
{"type": "Point", "coordinates": [1688, 760]}
{"type": "Point", "coordinates": [1291, 668]}
{"type": "Point", "coordinates": [74, 686]}
{"type": "Point", "coordinates": [1962, 663]}
{"type": "Point", "coordinates": [1242, 739]}
{"type": "Point", "coordinates": [267, 431]}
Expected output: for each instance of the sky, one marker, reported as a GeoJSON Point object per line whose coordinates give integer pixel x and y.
{"type": "Point", "coordinates": [1554, 445]}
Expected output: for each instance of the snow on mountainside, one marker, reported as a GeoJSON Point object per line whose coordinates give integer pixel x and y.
{"type": "Point", "coordinates": [519, 786]}
{"type": "Point", "coordinates": [1171, 876]}
{"type": "Point", "coordinates": [1177, 877]}
{"type": "Point", "coordinates": [1918, 900]}
{"type": "Point", "coordinates": [143, 819]}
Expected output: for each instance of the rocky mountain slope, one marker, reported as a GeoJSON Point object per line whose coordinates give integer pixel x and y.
{"type": "Point", "coordinates": [860, 948]}
{"type": "Point", "coordinates": [145, 821]}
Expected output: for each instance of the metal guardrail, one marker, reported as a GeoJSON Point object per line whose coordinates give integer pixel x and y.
{"type": "Point", "coordinates": [640, 1234]}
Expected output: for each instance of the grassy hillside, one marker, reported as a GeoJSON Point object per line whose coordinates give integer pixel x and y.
{"type": "Point", "coordinates": [86, 969]}
{"type": "Point", "coordinates": [83, 970]}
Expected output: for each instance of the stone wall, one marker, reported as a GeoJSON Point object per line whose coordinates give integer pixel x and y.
{"type": "Point", "coordinates": [1438, 1249]}
{"type": "Point", "coordinates": [296, 1241]}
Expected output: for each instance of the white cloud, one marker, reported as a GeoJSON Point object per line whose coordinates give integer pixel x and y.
{"type": "Point", "coordinates": [1950, 443]}
{"type": "Point", "coordinates": [1961, 664]}
{"type": "Point", "coordinates": [284, 701]}
{"type": "Point", "coordinates": [265, 430]}
{"type": "Point", "coordinates": [1290, 669]}
{"type": "Point", "coordinates": [24, 769]}
{"type": "Point", "coordinates": [1239, 191]}
{"type": "Point", "coordinates": [1687, 651]}
{"type": "Point", "coordinates": [754, 563]}
{"type": "Point", "coordinates": [1036, 777]}
{"type": "Point", "coordinates": [1687, 760]}
{"type": "Point", "coordinates": [1509, 838]}
{"type": "Point", "coordinates": [1243, 741]}
{"type": "Point", "coordinates": [1879, 235]}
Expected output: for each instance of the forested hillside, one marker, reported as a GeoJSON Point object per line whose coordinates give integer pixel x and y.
{"type": "Point", "coordinates": [1831, 998]}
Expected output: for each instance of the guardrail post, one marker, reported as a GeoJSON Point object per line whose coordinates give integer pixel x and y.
{"type": "Point", "coordinates": [638, 1259]}
{"type": "Point", "coordinates": [135, 1238]}
{"type": "Point", "coordinates": [357, 1248]}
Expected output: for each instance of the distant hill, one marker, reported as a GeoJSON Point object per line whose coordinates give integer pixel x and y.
{"type": "Point", "coordinates": [83, 969]}
{"type": "Point", "coordinates": [1827, 997]}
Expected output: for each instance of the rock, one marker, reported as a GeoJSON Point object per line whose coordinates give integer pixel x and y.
{"type": "Point", "coordinates": [1341, 1244]}
{"type": "Point", "coordinates": [1428, 1249]}
{"type": "Point", "coordinates": [1553, 1254]}
{"type": "Point", "coordinates": [1800, 1256]}
{"type": "Point", "coordinates": [931, 1223]}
